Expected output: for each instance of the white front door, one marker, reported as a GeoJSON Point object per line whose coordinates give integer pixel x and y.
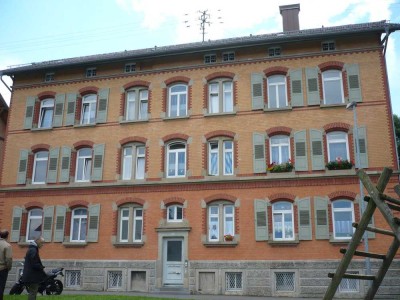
{"type": "Point", "coordinates": [173, 263]}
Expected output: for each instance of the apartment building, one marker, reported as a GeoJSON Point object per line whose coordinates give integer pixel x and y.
{"type": "Point", "coordinates": [3, 124]}
{"type": "Point", "coordinates": [219, 167]}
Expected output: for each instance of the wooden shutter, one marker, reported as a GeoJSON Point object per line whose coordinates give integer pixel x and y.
{"type": "Point", "coordinates": [93, 226]}
{"type": "Point", "coordinates": [321, 218]}
{"type": "Point", "coordinates": [259, 165]}
{"type": "Point", "coordinates": [16, 224]}
{"type": "Point", "coordinates": [52, 167]}
{"type": "Point", "coordinates": [304, 219]}
{"type": "Point", "coordinates": [59, 110]}
{"type": "Point", "coordinates": [65, 164]}
{"type": "Point", "coordinates": [257, 92]}
{"type": "Point", "coordinates": [59, 224]}
{"type": "Point", "coordinates": [48, 212]}
{"type": "Point", "coordinates": [22, 167]}
{"type": "Point", "coordinates": [300, 150]}
{"type": "Point", "coordinates": [296, 87]}
{"type": "Point", "coordinates": [71, 107]}
{"type": "Point", "coordinates": [312, 86]}
{"type": "Point", "coordinates": [98, 156]}
{"type": "Point", "coordinates": [261, 219]}
{"type": "Point", "coordinates": [29, 110]}
{"type": "Point", "coordinates": [102, 106]}
{"type": "Point", "coordinates": [362, 141]}
{"type": "Point", "coordinates": [317, 150]}
{"type": "Point", "coordinates": [353, 80]}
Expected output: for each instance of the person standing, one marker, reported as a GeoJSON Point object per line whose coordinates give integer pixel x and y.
{"type": "Point", "coordinates": [33, 273]}
{"type": "Point", "coordinates": [5, 260]}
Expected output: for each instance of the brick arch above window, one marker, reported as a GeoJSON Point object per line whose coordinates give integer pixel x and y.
{"type": "Point", "coordinates": [77, 203]}
{"type": "Point", "coordinates": [220, 75]}
{"type": "Point", "coordinates": [329, 65]}
{"type": "Point", "coordinates": [174, 200]}
{"type": "Point", "coordinates": [342, 195]}
{"type": "Point", "coordinates": [217, 133]}
{"type": "Point", "coordinates": [34, 204]}
{"type": "Point", "coordinates": [282, 197]}
{"type": "Point", "coordinates": [83, 144]}
{"type": "Point", "coordinates": [133, 139]}
{"type": "Point", "coordinates": [132, 84]}
{"type": "Point", "coordinates": [175, 136]}
{"type": "Point", "coordinates": [130, 200]}
{"type": "Point", "coordinates": [40, 147]}
{"type": "Point", "coordinates": [279, 130]}
{"type": "Point", "coordinates": [177, 79]}
{"type": "Point", "coordinates": [218, 197]}
{"type": "Point", "coordinates": [276, 71]}
{"type": "Point", "coordinates": [337, 126]}
{"type": "Point", "coordinates": [88, 90]}
{"type": "Point", "coordinates": [46, 94]}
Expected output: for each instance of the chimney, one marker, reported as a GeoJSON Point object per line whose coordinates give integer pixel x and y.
{"type": "Point", "coordinates": [290, 16]}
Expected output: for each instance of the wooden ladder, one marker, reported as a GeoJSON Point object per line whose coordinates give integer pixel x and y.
{"type": "Point", "coordinates": [386, 205]}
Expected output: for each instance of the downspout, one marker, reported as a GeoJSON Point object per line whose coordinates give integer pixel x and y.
{"type": "Point", "coordinates": [5, 84]}
{"type": "Point", "coordinates": [385, 40]}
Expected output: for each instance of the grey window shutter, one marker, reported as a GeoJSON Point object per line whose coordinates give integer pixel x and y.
{"type": "Point", "coordinates": [296, 89]}
{"type": "Point", "coordinates": [29, 110]}
{"type": "Point", "coordinates": [98, 157]}
{"type": "Point", "coordinates": [353, 80]}
{"type": "Point", "coordinates": [71, 107]}
{"type": "Point", "coordinates": [59, 110]}
{"type": "Point", "coordinates": [93, 226]}
{"type": "Point", "coordinates": [257, 93]}
{"type": "Point", "coordinates": [48, 212]}
{"type": "Point", "coordinates": [23, 166]}
{"type": "Point", "coordinates": [52, 166]}
{"type": "Point", "coordinates": [59, 224]}
{"type": "Point", "coordinates": [317, 150]}
{"type": "Point", "coordinates": [304, 218]}
{"type": "Point", "coordinates": [65, 164]}
{"type": "Point", "coordinates": [321, 218]}
{"type": "Point", "coordinates": [362, 140]}
{"type": "Point", "coordinates": [312, 86]}
{"type": "Point", "coordinates": [16, 224]}
{"type": "Point", "coordinates": [259, 165]}
{"type": "Point", "coordinates": [102, 106]}
{"type": "Point", "coordinates": [300, 149]}
{"type": "Point", "coordinates": [261, 219]}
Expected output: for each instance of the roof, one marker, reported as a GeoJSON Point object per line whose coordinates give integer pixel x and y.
{"type": "Point", "coordinates": [252, 40]}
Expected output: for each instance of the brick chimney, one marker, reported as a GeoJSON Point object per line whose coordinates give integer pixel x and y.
{"type": "Point", "coordinates": [290, 16]}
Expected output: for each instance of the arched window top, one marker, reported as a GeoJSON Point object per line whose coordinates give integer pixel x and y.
{"type": "Point", "coordinates": [276, 71]}
{"type": "Point", "coordinates": [89, 98]}
{"type": "Point", "coordinates": [282, 205]}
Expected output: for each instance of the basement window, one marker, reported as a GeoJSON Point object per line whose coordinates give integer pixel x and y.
{"type": "Point", "coordinates": [350, 285]}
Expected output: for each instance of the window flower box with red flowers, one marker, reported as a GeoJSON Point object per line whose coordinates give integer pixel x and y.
{"type": "Point", "coordinates": [339, 164]}
{"type": "Point", "coordinates": [228, 237]}
{"type": "Point", "coordinates": [280, 168]}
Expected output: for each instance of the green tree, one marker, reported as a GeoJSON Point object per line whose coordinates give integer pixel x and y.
{"type": "Point", "coordinates": [396, 121]}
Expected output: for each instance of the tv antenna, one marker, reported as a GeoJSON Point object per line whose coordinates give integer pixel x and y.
{"type": "Point", "coordinates": [205, 19]}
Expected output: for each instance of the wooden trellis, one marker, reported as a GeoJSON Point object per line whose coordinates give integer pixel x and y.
{"type": "Point", "coordinates": [386, 205]}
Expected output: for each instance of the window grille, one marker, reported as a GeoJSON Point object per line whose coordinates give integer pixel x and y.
{"type": "Point", "coordinates": [284, 281]}
{"type": "Point", "coordinates": [114, 279]}
{"type": "Point", "coordinates": [233, 281]}
{"type": "Point", "coordinates": [72, 278]}
{"type": "Point", "coordinates": [350, 285]}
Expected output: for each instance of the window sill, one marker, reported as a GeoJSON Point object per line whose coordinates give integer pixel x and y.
{"type": "Point", "coordinates": [351, 171]}
{"type": "Point", "coordinates": [281, 174]}
{"type": "Point", "coordinates": [339, 241]}
{"type": "Point", "coordinates": [284, 243]}
{"type": "Point", "coordinates": [267, 109]}
{"type": "Point", "coordinates": [128, 245]}
{"type": "Point", "coordinates": [85, 125]}
{"type": "Point", "coordinates": [75, 244]}
{"type": "Point", "coordinates": [232, 113]}
{"type": "Point", "coordinates": [176, 118]}
{"type": "Point", "coordinates": [41, 129]}
{"type": "Point", "coordinates": [333, 105]}
{"type": "Point", "coordinates": [133, 121]}
{"type": "Point", "coordinates": [223, 244]}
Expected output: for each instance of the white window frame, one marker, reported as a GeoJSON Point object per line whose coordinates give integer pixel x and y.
{"type": "Point", "coordinates": [274, 86]}
{"type": "Point", "coordinates": [36, 160]}
{"type": "Point", "coordinates": [30, 218]}
{"type": "Point", "coordinates": [210, 58]}
{"type": "Point", "coordinates": [132, 219]}
{"type": "Point", "coordinates": [220, 220]}
{"type": "Point", "coordinates": [274, 51]}
{"type": "Point", "coordinates": [222, 95]}
{"type": "Point", "coordinates": [328, 46]}
{"type": "Point", "coordinates": [176, 153]}
{"type": "Point", "coordinates": [85, 160]}
{"type": "Point", "coordinates": [136, 218]}
{"type": "Point", "coordinates": [181, 96]}
{"type": "Point", "coordinates": [338, 210]}
{"type": "Point", "coordinates": [138, 98]}
{"type": "Point", "coordinates": [172, 213]}
{"type": "Point", "coordinates": [130, 162]}
{"type": "Point", "coordinates": [220, 152]}
{"type": "Point", "coordinates": [331, 140]}
{"type": "Point", "coordinates": [91, 72]}
{"type": "Point", "coordinates": [90, 102]}
{"type": "Point", "coordinates": [80, 219]}
{"type": "Point", "coordinates": [339, 79]}
{"type": "Point", "coordinates": [280, 147]}
{"type": "Point", "coordinates": [130, 68]}
{"type": "Point", "coordinates": [282, 213]}
{"type": "Point", "coordinates": [123, 220]}
{"type": "Point", "coordinates": [228, 56]}
{"type": "Point", "coordinates": [46, 105]}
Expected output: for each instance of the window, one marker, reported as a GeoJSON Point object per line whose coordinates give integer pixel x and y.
{"type": "Point", "coordinates": [279, 149]}
{"type": "Point", "coordinates": [228, 56]}
{"type": "Point", "coordinates": [114, 279]}
{"type": "Point", "coordinates": [40, 167]}
{"type": "Point", "coordinates": [175, 213]}
{"type": "Point", "coordinates": [338, 148]}
{"type": "Point", "coordinates": [88, 115]}
{"type": "Point", "coordinates": [328, 46]}
{"type": "Point", "coordinates": [275, 51]}
{"type": "Point", "coordinates": [46, 113]}
{"type": "Point", "coordinates": [343, 217]}
{"type": "Point", "coordinates": [221, 219]}
{"type": "Point", "coordinates": [129, 68]}
{"type": "Point", "coordinates": [90, 72]}
{"type": "Point", "coordinates": [333, 87]}
{"type": "Point", "coordinates": [210, 58]}
{"type": "Point", "coordinates": [220, 96]}
{"type": "Point", "coordinates": [79, 225]}
{"type": "Point", "coordinates": [49, 77]}
{"type": "Point", "coordinates": [176, 160]}
{"type": "Point", "coordinates": [285, 281]}
{"type": "Point", "coordinates": [350, 285]}
{"type": "Point", "coordinates": [277, 94]}
{"type": "Point", "coordinates": [133, 162]}
{"type": "Point", "coordinates": [83, 165]}
{"type": "Point", "coordinates": [233, 281]}
{"type": "Point", "coordinates": [130, 224]}
{"type": "Point", "coordinates": [137, 100]}
{"type": "Point", "coordinates": [72, 278]}
{"type": "Point", "coordinates": [34, 226]}
{"type": "Point", "coordinates": [177, 104]}
{"type": "Point", "coordinates": [220, 157]}
{"type": "Point", "coordinates": [283, 224]}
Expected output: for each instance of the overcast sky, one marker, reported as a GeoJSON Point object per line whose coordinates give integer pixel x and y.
{"type": "Point", "coordinates": [41, 30]}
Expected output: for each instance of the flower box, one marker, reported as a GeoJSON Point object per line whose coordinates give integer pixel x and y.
{"type": "Point", "coordinates": [279, 168]}
{"type": "Point", "coordinates": [228, 237]}
{"type": "Point", "coordinates": [339, 164]}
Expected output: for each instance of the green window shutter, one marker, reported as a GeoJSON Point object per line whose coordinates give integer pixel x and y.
{"type": "Point", "coordinates": [300, 149]}
{"type": "Point", "coordinates": [59, 110]}
{"type": "Point", "coordinates": [257, 93]}
{"type": "Point", "coordinates": [98, 157]}
{"type": "Point", "coordinates": [71, 106]}
{"type": "Point", "coordinates": [353, 80]}
{"type": "Point", "coordinates": [48, 212]}
{"type": "Point", "coordinates": [317, 150]}
{"type": "Point", "coordinates": [16, 224]}
{"type": "Point", "coordinates": [52, 166]}
{"type": "Point", "coordinates": [259, 165]}
{"type": "Point", "coordinates": [65, 164]}
{"type": "Point", "coordinates": [29, 110]}
{"type": "Point", "coordinates": [321, 218]}
{"type": "Point", "coordinates": [261, 220]}
{"type": "Point", "coordinates": [59, 224]}
{"type": "Point", "coordinates": [23, 166]}
{"type": "Point", "coordinates": [362, 140]}
{"type": "Point", "coordinates": [296, 87]}
{"type": "Point", "coordinates": [93, 226]}
{"type": "Point", "coordinates": [102, 106]}
{"type": "Point", "coordinates": [312, 86]}
{"type": "Point", "coordinates": [304, 219]}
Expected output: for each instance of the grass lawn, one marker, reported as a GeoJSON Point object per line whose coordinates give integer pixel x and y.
{"type": "Point", "coordinates": [83, 297]}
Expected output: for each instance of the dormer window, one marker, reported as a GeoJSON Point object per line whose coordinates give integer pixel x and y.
{"type": "Point", "coordinates": [328, 46]}
{"type": "Point", "coordinates": [228, 56]}
{"type": "Point", "coordinates": [210, 58]}
{"type": "Point", "coordinates": [129, 68]}
{"type": "Point", "coordinates": [274, 51]}
{"type": "Point", "coordinates": [90, 72]}
{"type": "Point", "coordinates": [49, 77]}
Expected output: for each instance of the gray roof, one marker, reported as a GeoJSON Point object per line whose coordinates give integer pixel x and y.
{"type": "Point", "coordinates": [282, 37]}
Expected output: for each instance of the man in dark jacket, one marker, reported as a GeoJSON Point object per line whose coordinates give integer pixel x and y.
{"type": "Point", "coordinates": [5, 260]}
{"type": "Point", "coordinates": [33, 272]}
